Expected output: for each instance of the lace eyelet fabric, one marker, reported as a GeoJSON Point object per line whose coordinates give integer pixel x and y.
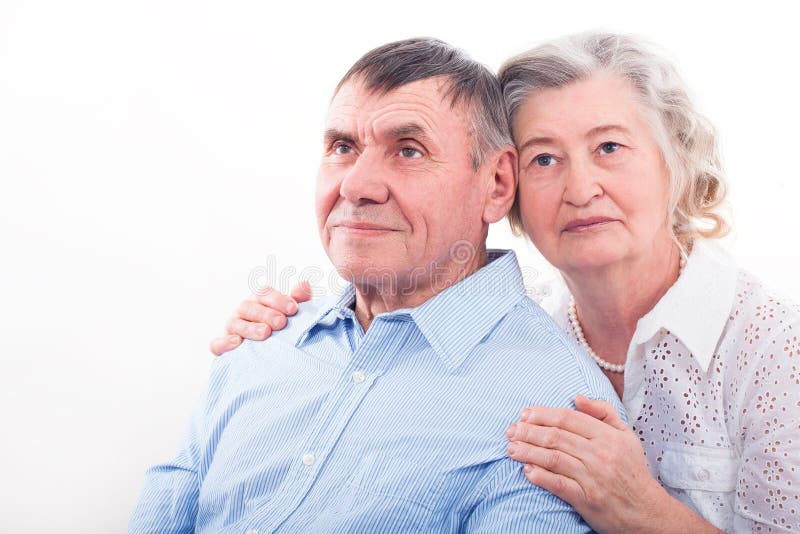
{"type": "Point", "coordinates": [712, 389]}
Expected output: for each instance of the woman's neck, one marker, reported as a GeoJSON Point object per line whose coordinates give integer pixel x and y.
{"type": "Point", "coordinates": [610, 300]}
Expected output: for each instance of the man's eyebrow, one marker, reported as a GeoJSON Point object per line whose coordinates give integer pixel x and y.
{"type": "Point", "coordinates": [333, 134]}
{"type": "Point", "coordinates": [409, 129]}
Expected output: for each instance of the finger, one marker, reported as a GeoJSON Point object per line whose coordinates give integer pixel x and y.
{"type": "Point", "coordinates": [272, 298]}
{"type": "Point", "coordinates": [602, 410]}
{"type": "Point", "coordinates": [223, 344]}
{"type": "Point", "coordinates": [570, 420]}
{"type": "Point", "coordinates": [302, 292]}
{"type": "Point", "coordinates": [548, 437]}
{"type": "Point", "coordinates": [246, 329]}
{"type": "Point", "coordinates": [555, 461]}
{"type": "Point", "coordinates": [255, 312]}
{"type": "Point", "coordinates": [562, 487]}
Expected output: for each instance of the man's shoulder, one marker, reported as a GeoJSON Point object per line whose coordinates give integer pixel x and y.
{"type": "Point", "coordinates": [308, 313]}
{"type": "Point", "coordinates": [531, 348]}
{"type": "Point", "coordinates": [528, 327]}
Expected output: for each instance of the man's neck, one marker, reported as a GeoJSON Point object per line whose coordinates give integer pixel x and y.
{"type": "Point", "coordinates": [423, 284]}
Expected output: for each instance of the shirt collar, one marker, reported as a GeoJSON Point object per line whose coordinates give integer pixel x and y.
{"type": "Point", "coordinates": [455, 320]}
{"type": "Point", "coordinates": [707, 283]}
{"type": "Point", "coordinates": [328, 313]}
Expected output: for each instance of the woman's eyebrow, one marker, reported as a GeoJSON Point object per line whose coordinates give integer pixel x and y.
{"type": "Point", "coordinates": [607, 128]}
{"type": "Point", "coordinates": [536, 141]}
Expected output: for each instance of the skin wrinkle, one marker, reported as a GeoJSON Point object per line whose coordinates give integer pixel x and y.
{"type": "Point", "coordinates": [619, 270]}
{"type": "Point", "coordinates": [431, 199]}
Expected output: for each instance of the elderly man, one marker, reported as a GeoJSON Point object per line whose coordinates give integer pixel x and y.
{"type": "Point", "coordinates": [353, 417]}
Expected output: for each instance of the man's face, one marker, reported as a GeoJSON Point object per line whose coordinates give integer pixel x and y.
{"type": "Point", "coordinates": [396, 189]}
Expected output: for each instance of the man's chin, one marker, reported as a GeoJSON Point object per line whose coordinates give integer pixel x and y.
{"type": "Point", "coordinates": [374, 270]}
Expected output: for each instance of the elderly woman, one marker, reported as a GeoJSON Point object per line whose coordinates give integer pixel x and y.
{"type": "Point", "coordinates": [619, 188]}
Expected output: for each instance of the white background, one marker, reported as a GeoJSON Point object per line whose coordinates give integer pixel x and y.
{"type": "Point", "coordinates": [154, 152]}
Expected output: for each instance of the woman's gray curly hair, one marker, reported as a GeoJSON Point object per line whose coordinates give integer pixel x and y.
{"type": "Point", "coordinates": [687, 140]}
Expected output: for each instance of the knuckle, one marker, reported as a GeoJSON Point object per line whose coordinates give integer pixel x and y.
{"type": "Point", "coordinates": [277, 320]}
{"type": "Point", "coordinates": [259, 331]}
{"type": "Point", "coordinates": [274, 303]}
{"type": "Point", "coordinates": [552, 438]}
{"type": "Point", "coordinates": [552, 460]}
{"type": "Point", "coordinates": [560, 417]}
{"type": "Point", "coordinates": [265, 315]}
{"type": "Point", "coordinates": [239, 327]}
{"type": "Point", "coordinates": [592, 497]}
{"type": "Point", "coordinates": [560, 486]}
{"type": "Point", "coordinates": [243, 308]}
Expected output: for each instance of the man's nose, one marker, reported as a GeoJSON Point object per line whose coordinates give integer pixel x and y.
{"type": "Point", "coordinates": [582, 183]}
{"type": "Point", "coordinates": [364, 182]}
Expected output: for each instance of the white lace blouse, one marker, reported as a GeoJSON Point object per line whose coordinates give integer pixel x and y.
{"type": "Point", "coordinates": [712, 388]}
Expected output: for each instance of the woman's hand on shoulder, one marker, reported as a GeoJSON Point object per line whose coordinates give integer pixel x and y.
{"type": "Point", "coordinates": [592, 460]}
{"type": "Point", "coordinates": [258, 316]}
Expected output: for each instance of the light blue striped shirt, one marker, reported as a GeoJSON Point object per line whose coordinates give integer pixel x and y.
{"type": "Point", "coordinates": [326, 428]}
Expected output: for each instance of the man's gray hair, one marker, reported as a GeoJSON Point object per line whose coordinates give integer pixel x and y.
{"type": "Point", "coordinates": [687, 140]}
{"type": "Point", "coordinates": [402, 62]}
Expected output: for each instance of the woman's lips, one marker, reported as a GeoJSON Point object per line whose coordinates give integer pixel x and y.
{"type": "Point", "coordinates": [587, 224]}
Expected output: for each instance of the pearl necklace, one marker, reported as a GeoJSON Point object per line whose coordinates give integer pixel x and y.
{"type": "Point", "coordinates": [578, 331]}
{"type": "Point", "coordinates": [572, 314]}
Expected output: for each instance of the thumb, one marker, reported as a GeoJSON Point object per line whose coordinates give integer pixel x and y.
{"type": "Point", "coordinates": [301, 292]}
{"type": "Point", "coordinates": [601, 410]}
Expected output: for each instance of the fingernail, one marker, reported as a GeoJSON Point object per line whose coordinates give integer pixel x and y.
{"type": "Point", "coordinates": [261, 329]}
{"type": "Point", "coordinates": [276, 322]}
{"type": "Point", "coordinates": [528, 468]}
{"type": "Point", "coordinates": [291, 307]}
{"type": "Point", "coordinates": [526, 414]}
{"type": "Point", "coordinates": [512, 449]}
{"type": "Point", "coordinates": [511, 431]}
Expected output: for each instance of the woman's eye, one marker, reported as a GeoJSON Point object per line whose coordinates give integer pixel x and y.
{"type": "Point", "coordinates": [545, 160]}
{"type": "Point", "coordinates": [408, 152]}
{"type": "Point", "coordinates": [342, 148]}
{"type": "Point", "coordinates": [608, 148]}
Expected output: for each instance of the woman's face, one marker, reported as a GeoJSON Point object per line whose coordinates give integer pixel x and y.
{"type": "Point", "coordinates": [593, 185]}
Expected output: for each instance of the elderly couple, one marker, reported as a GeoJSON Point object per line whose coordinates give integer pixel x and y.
{"type": "Point", "coordinates": [433, 395]}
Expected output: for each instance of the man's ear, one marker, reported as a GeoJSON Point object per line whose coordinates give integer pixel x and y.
{"type": "Point", "coordinates": [502, 186]}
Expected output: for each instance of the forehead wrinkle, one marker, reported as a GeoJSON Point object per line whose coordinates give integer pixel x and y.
{"type": "Point", "coordinates": [373, 116]}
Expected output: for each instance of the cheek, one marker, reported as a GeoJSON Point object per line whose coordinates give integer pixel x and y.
{"type": "Point", "coordinates": [539, 210]}
{"type": "Point", "coordinates": [327, 193]}
{"type": "Point", "coordinates": [648, 201]}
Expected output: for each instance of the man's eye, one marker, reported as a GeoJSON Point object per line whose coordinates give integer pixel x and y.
{"type": "Point", "coordinates": [342, 148]}
{"type": "Point", "coordinates": [545, 160]}
{"type": "Point", "coordinates": [408, 152]}
{"type": "Point", "coordinates": [608, 148]}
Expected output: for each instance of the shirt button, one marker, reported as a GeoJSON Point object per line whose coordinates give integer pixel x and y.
{"type": "Point", "coordinates": [703, 474]}
{"type": "Point", "coordinates": [359, 377]}
{"type": "Point", "coordinates": [309, 459]}
{"type": "Point", "coordinates": [251, 531]}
